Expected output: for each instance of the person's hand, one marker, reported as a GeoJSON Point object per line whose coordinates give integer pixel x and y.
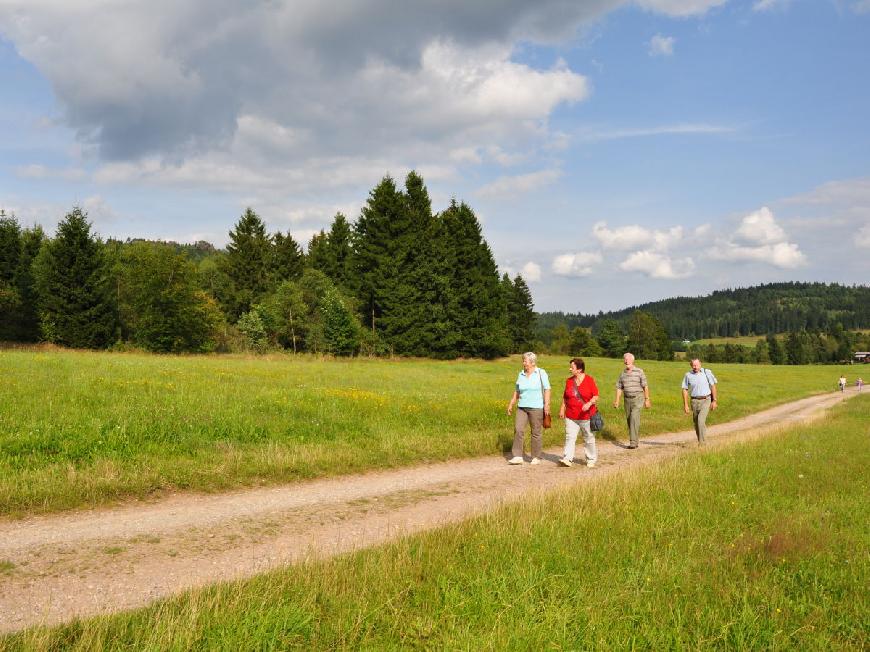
{"type": "Point", "coordinates": [686, 409]}
{"type": "Point", "coordinates": [616, 404]}
{"type": "Point", "coordinates": [647, 403]}
{"type": "Point", "coordinates": [562, 412]}
{"type": "Point", "coordinates": [714, 404]}
{"type": "Point", "coordinates": [510, 407]}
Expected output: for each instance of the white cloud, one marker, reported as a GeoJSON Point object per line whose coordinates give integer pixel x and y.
{"type": "Point", "coordinates": [635, 236]}
{"type": "Point", "coordinates": [862, 239]}
{"type": "Point", "coordinates": [598, 135]}
{"type": "Point", "coordinates": [661, 46]}
{"type": "Point", "coordinates": [770, 5]}
{"type": "Point", "coordinates": [35, 171]}
{"type": "Point", "coordinates": [680, 8]}
{"type": "Point", "coordinates": [576, 264]}
{"type": "Point", "coordinates": [861, 7]}
{"type": "Point", "coordinates": [783, 254]}
{"type": "Point", "coordinates": [841, 192]}
{"type": "Point", "coordinates": [510, 186]}
{"type": "Point", "coordinates": [760, 228]}
{"type": "Point", "coordinates": [531, 271]}
{"type": "Point", "coordinates": [759, 239]}
{"type": "Point", "coordinates": [658, 265]}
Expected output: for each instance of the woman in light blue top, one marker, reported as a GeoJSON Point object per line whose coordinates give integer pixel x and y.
{"type": "Point", "coordinates": [532, 398]}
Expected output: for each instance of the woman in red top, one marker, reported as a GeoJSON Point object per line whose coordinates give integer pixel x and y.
{"type": "Point", "coordinates": [578, 406]}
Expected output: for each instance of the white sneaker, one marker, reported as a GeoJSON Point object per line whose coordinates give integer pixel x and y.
{"type": "Point", "coordinates": [590, 464]}
{"type": "Point", "coordinates": [535, 460]}
{"type": "Point", "coordinates": [565, 462]}
{"type": "Point", "coordinates": [516, 460]}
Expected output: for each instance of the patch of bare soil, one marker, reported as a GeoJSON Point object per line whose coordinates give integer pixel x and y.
{"type": "Point", "coordinates": [57, 568]}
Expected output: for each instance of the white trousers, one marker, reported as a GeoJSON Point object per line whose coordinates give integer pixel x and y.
{"type": "Point", "coordinates": [572, 429]}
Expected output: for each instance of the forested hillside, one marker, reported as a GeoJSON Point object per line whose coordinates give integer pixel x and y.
{"type": "Point", "coordinates": [771, 308]}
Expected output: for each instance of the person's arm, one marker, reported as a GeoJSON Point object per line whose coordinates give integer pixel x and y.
{"type": "Point", "coordinates": [547, 401]}
{"type": "Point", "coordinates": [714, 404]}
{"type": "Point", "coordinates": [618, 396]}
{"type": "Point", "coordinates": [646, 401]}
{"type": "Point", "coordinates": [685, 400]}
{"type": "Point", "coordinates": [592, 401]}
{"type": "Point", "coordinates": [513, 402]}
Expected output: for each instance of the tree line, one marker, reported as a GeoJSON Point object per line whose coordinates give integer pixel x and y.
{"type": "Point", "coordinates": [647, 338]}
{"type": "Point", "coordinates": [758, 310]}
{"type": "Point", "coordinates": [401, 280]}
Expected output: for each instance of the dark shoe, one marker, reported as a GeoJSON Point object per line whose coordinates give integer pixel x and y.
{"type": "Point", "coordinates": [632, 446]}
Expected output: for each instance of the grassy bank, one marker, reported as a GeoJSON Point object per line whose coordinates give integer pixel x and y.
{"type": "Point", "coordinates": [757, 546]}
{"type": "Point", "coordinates": [83, 429]}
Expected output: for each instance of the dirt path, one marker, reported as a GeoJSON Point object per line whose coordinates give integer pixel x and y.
{"type": "Point", "coordinates": [56, 568]}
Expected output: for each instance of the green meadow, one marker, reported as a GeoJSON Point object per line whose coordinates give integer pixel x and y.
{"type": "Point", "coordinates": [759, 546]}
{"type": "Point", "coordinates": [83, 429]}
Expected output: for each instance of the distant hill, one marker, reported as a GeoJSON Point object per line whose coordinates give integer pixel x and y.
{"type": "Point", "coordinates": [758, 310]}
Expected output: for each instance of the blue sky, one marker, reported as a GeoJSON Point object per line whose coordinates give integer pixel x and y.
{"type": "Point", "coordinates": [615, 152]}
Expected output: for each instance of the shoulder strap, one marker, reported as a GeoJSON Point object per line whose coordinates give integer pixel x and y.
{"type": "Point", "coordinates": [709, 382]}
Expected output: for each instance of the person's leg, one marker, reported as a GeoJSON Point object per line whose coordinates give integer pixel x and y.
{"type": "Point", "coordinates": [536, 418]}
{"type": "Point", "coordinates": [701, 411]}
{"type": "Point", "coordinates": [589, 443]}
{"type": "Point", "coordinates": [571, 431]}
{"type": "Point", "coordinates": [521, 421]}
{"type": "Point", "coordinates": [632, 412]}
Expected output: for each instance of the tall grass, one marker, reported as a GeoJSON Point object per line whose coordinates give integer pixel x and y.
{"type": "Point", "coordinates": [757, 546]}
{"type": "Point", "coordinates": [82, 429]}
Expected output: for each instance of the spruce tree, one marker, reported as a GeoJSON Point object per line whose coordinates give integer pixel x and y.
{"type": "Point", "coordinates": [317, 256]}
{"type": "Point", "coordinates": [521, 316]}
{"type": "Point", "coordinates": [76, 302]}
{"type": "Point", "coordinates": [287, 259]}
{"type": "Point", "coordinates": [10, 254]}
{"type": "Point", "coordinates": [379, 253]}
{"type": "Point", "coordinates": [248, 264]}
{"type": "Point", "coordinates": [477, 309]}
{"type": "Point", "coordinates": [28, 317]}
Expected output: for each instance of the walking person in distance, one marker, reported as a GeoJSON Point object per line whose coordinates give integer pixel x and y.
{"type": "Point", "coordinates": [578, 406]}
{"type": "Point", "coordinates": [633, 386]}
{"type": "Point", "coordinates": [699, 384]}
{"type": "Point", "coordinates": [532, 398]}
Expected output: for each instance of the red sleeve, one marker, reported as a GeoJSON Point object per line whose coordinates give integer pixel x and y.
{"type": "Point", "coordinates": [594, 386]}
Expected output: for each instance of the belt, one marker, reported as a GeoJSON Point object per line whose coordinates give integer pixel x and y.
{"type": "Point", "coordinates": [632, 395]}
{"type": "Point", "coordinates": [701, 398]}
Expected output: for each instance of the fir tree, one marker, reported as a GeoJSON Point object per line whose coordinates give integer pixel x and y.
{"type": "Point", "coordinates": [76, 304]}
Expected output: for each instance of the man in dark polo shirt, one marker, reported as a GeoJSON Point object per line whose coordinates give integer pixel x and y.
{"type": "Point", "coordinates": [632, 384]}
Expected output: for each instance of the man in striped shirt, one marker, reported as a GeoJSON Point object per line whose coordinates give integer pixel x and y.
{"type": "Point", "coordinates": [632, 384]}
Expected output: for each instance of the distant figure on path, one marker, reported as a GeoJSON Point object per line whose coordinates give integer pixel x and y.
{"type": "Point", "coordinates": [532, 398]}
{"type": "Point", "coordinates": [842, 383]}
{"type": "Point", "coordinates": [700, 384]}
{"type": "Point", "coordinates": [859, 384]}
{"type": "Point", "coordinates": [632, 384]}
{"type": "Point", "coordinates": [578, 406]}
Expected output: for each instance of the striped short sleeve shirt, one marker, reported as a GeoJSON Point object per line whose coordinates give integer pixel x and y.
{"type": "Point", "coordinates": [631, 382]}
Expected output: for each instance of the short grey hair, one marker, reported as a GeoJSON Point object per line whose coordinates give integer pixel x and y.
{"type": "Point", "coordinates": [531, 357]}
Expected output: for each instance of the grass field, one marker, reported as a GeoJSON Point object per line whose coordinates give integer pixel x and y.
{"type": "Point", "coordinates": [754, 546]}
{"type": "Point", "coordinates": [84, 429]}
{"type": "Point", "coordinates": [743, 340]}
